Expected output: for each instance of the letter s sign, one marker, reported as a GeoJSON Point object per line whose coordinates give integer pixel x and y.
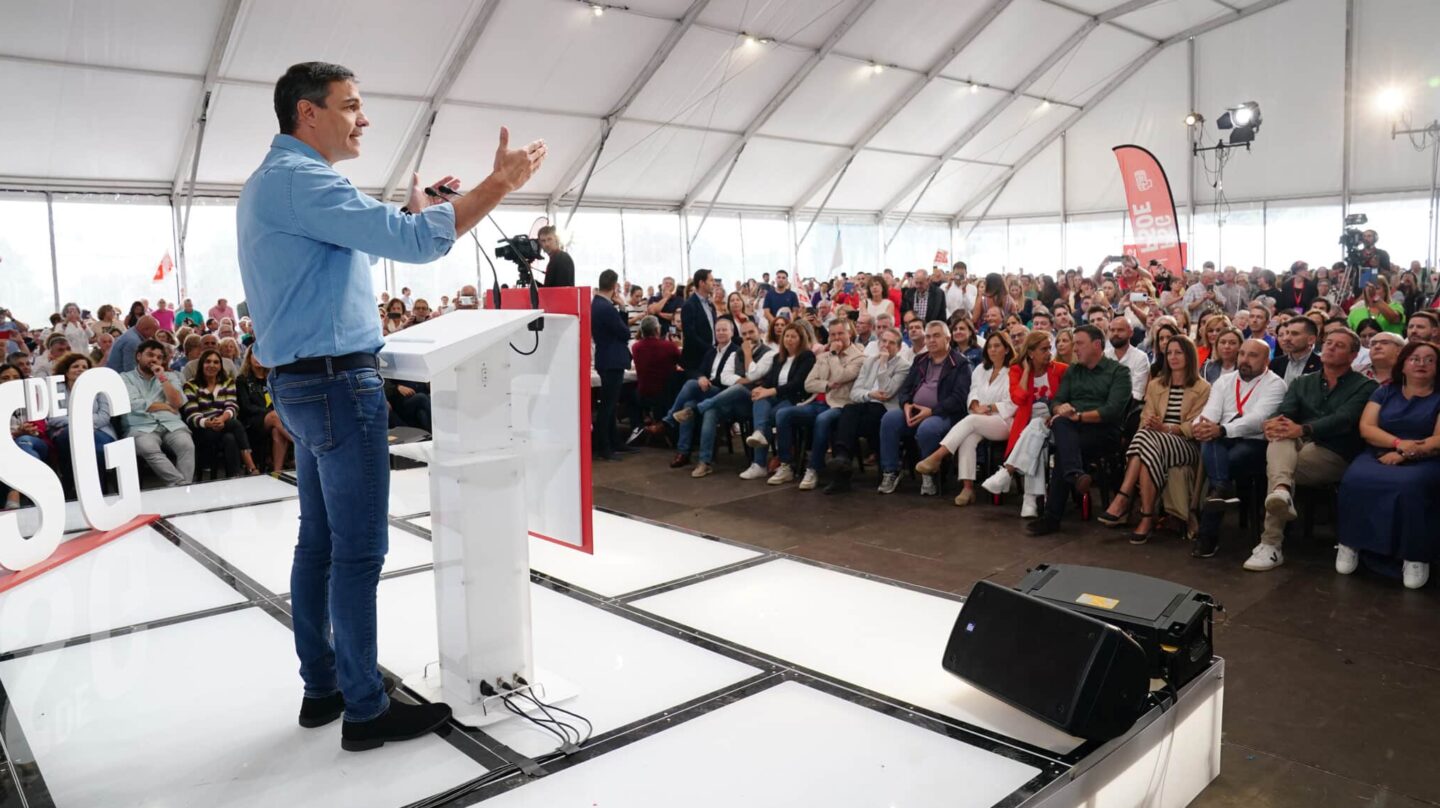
{"type": "Point", "coordinates": [36, 480]}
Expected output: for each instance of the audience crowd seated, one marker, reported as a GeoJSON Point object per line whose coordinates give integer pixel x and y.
{"type": "Point", "coordinates": [1186, 393]}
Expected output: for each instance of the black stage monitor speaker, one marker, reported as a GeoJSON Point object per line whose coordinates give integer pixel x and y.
{"type": "Point", "coordinates": [1079, 674]}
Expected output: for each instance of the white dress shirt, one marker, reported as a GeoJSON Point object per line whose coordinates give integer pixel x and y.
{"type": "Point", "coordinates": [983, 391]}
{"type": "Point", "coordinates": [1262, 396]}
{"type": "Point", "coordinates": [1139, 364]}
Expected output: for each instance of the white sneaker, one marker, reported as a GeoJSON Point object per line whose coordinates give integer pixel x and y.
{"type": "Point", "coordinates": [755, 472]}
{"type": "Point", "coordinates": [1030, 509]}
{"type": "Point", "coordinates": [888, 481]}
{"type": "Point", "coordinates": [999, 482]}
{"type": "Point", "coordinates": [1346, 559]}
{"type": "Point", "coordinates": [807, 483]}
{"type": "Point", "coordinates": [757, 440]}
{"type": "Point", "coordinates": [702, 470]}
{"type": "Point", "coordinates": [782, 475]}
{"type": "Point", "coordinates": [1282, 504]}
{"type": "Point", "coordinates": [928, 488]}
{"type": "Point", "coordinates": [1416, 573]}
{"type": "Point", "coordinates": [1264, 557]}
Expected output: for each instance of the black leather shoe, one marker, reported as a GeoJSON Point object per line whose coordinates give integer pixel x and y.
{"type": "Point", "coordinates": [401, 722]}
{"type": "Point", "coordinates": [319, 712]}
{"type": "Point", "coordinates": [1043, 526]}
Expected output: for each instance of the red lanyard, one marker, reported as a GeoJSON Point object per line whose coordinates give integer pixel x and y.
{"type": "Point", "coordinates": [1240, 402]}
{"type": "Point", "coordinates": [1297, 292]}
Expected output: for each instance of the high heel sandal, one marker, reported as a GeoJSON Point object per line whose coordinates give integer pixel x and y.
{"type": "Point", "coordinates": [1144, 538]}
{"type": "Point", "coordinates": [1115, 521]}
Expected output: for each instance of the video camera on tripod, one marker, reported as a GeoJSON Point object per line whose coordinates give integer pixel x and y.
{"type": "Point", "coordinates": [1353, 240]}
{"type": "Point", "coordinates": [521, 250]}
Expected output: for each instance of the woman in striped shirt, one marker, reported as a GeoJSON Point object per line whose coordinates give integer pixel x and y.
{"type": "Point", "coordinates": [211, 411]}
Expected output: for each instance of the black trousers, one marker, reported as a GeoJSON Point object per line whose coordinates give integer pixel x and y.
{"type": "Point", "coordinates": [1076, 445]}
{"type": "Point", "coordinates": [213, 448]}
{"type": "Point", "coordinates": [859, 420]}
{"type": "Point", "coordinates": [602, 434]}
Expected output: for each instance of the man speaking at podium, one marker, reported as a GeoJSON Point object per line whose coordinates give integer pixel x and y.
{"type": "Point", "coordinates": [307, 238]}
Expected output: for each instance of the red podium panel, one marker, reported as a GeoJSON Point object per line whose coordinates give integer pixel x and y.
{"type": "Point", "coordinates": [574, 301]}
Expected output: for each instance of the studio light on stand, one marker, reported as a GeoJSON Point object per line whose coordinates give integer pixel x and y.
{"type": "Point", "coordinates": [1243, 123]}
{"type": "Point", "coordinates": [1392, 101]}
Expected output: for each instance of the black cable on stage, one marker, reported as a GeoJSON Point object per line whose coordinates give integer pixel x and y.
{"type": "Point", "coordinates": [589, 727]}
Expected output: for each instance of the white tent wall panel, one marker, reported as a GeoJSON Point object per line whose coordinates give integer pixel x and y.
{"type": "Point", "coordinates": [1077, 77]}
{"type": "Point", "coordinates": [1148, 110]}
{"type": "Point", "coordinates": [464, 138]}
{"type": "Point", "coordinates": [1170, 17]}
{"type": "Point", "coordinates": [1034, 187]}
{"type": "Point", "coordinates": [391, 47]}
{"type": "Point", "coordinates": [873, 177]}
{"type": "Point", "coordinates": [837, 101]}
{"type": "Point", "coordinates": [1017, 41]}
{"type": "Point", "coordinates": [714, 79]}
{"type": "Point", "coordinates": [1024, 123]}
{"type": "Point", "coordinates": [1394, 48]}
{"type": "Point", "coordinates": [804, 22]}
{"type": "Point", "coordinates": [242, 124]}
{"type": "Point", "coordinates": [644, 161]}
{"type": "Point", "coordinates": [90, 124]}
{"type": "Point", "coordinates": [956, 183]}
{"type": "Point", "coordinates": [772, 171]}
{"type": "Point", "coordinates": [910, 33]}
{"type": "Point", "coordinates": [556, 54]}
{"type": "Point", "coordinates": [1291, 60]}
{"type": "Point", "coordinates": [104, 32]}
{"type": "Point", "coordinates": [932, 118]}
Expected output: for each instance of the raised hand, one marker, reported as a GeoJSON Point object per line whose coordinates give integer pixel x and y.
{"type": "Point", "coordinates": [516, 166]}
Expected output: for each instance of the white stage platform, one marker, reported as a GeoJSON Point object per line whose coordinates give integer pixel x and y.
{"type": "Point", "coordinates": [158, 671]}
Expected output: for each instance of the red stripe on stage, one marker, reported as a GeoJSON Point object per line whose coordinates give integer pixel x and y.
{"type": "Point", "coordinates": [73, 549]}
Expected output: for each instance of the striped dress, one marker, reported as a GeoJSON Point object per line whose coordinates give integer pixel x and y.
{"type": "Point", "coordinates": [202, 403]}
{"type": "Point", "coordinates": [1161, 451]}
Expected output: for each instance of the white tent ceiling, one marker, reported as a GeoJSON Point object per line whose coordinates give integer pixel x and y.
{"type": "Point", "coordinates": [971, 96]}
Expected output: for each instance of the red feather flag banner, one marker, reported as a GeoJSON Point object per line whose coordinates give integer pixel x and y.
{"type": "Point", "coordinates": [1155, 230]}
{"type": "Point", "coordinates": [165, 267]}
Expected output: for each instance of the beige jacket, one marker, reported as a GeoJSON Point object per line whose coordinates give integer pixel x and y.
{"type": "Point", "coordinates": [831, 368]}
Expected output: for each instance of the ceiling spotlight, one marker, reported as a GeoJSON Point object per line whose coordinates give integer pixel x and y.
{"type": "Point", "coordinates": [765, 40]}
{"type": "Point", "coordinates": [597, 9]}
{"type": "Point", "coordinates": [1194, 119]}
{"type": "Point", "coordinates": [1243, 121]}
{"type": "Point", "coordinates": [1044, 105]}
{"type": "Point", "coordinates": [877, 68]}
{"type": "Point", "coordinates": [1391, 100]}
{"type": "Point", "coordinates": [974, 88]}
{"type": "Point", "coordinates": [749, 40]}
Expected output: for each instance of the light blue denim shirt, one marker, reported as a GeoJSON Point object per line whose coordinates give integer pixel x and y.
{"type": "Point", "coordinates": [307, 238]}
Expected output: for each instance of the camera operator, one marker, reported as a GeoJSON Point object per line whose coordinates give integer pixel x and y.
{"type": "Point", "coordinates": [1372, 259]}
{"type": "Point", "coordinates": [560, 271]}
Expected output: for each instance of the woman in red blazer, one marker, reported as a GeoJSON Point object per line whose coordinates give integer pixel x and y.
{"type": "Point", "coordinates": [1034, 360]}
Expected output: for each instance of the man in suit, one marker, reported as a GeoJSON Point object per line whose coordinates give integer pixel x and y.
{"type": "Point", "coordinates": [1296, 355]}
{"type": "Point", "coordinates": [612, 359]}
{"type": "Point", "coordinates": [697, 318]}
{"type": "Point", "coordinates": [926, 299]}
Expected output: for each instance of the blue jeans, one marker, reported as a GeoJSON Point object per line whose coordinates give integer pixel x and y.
{"type": "Point", "coordinates": [825, 423]}
{"type": "Point", "coordinates": [688, 395]}
{"type": "Point", "coordinates": [34, 446]}
{"type": "Point", "coordinates": [764, 410]}
{"type": "Point", "coordinates": [733, 405]}
{"type": "Point", "coordinates": [1220, 455]}
{"type": "Point", "coordinates": [691, 395]}
{"type": "Point", "coordinates": [342, 465]}
{"type": "Point", "coordinates": [893, 430]}
{"type": "Point", "coordinates": [788, 419]}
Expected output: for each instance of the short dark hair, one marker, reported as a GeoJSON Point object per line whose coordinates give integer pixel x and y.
{"type": "Point", "coordinates": [1091, 331]}
{"type": "Point", "coordinates": [1398, 374]}
{"type": "Point", "coordinates": [699, 276]}
{"type": "Point", "coordinates": [608, 279]}
{"type": "Point", "coordinates": [1306, 324]}
{"type": "Point", "coordinates": [147, 344]}
{"type": "Point", "coordinates": [307, 81]}
{"type": "Point", "coordinates": [1426, 314]}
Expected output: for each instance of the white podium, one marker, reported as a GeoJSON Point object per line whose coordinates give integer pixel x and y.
{"type": "Point", "coordinates": [479, 511]}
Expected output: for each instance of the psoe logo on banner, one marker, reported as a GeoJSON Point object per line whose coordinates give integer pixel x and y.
{"type": "Point", "coordinates": [1143, 181]}
{"type": "Point", "coordinates": [45, 398]}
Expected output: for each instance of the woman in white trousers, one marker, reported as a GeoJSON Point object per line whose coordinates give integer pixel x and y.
{"type": "Point", "coordinates": [991, 412]}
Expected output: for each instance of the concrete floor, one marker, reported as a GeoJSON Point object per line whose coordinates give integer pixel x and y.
{"type": "Point", "coordinates": [1333, 696]}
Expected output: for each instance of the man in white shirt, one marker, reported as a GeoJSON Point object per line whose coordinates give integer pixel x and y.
{"type": "Point", "coordinates": [1232, 437]}
{"type": "Point", "coordinates": [1120, 349]}
{"type": "Point", "coordinates": [882, 322]}
{"type": "Point", "coordinates": [959, 294]}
